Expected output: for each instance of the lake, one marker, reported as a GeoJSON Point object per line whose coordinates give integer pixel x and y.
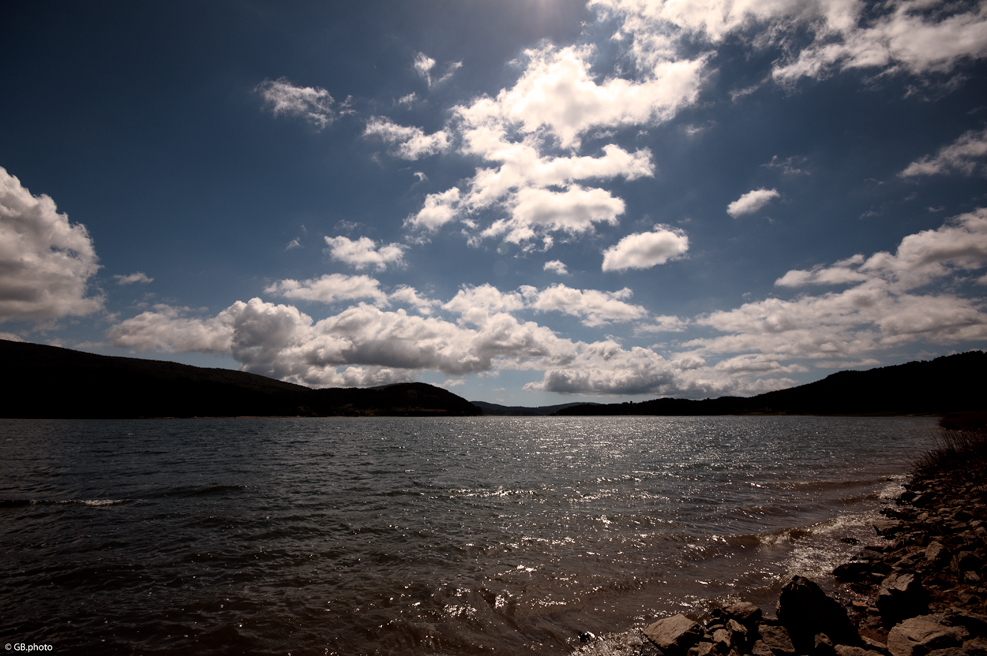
{"type": "Point", "coordinates": [477, 535]}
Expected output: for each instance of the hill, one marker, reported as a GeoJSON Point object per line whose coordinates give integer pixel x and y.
{"type": "Point", "coordinates": [495, 409]}
{"type": "Point", "coordinates": [952, 383]}
{"type": "Point", "coordinates": [52, 382]}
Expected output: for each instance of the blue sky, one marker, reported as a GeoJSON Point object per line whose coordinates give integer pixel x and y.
{"type": "Point", "coordinates": [524, 201]}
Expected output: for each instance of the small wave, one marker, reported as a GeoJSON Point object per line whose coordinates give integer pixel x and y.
{"type": "Point", "coordinates": [18, 503]}
{"type": "Point", "coordinates": [614, 644]}
{"type": "Point", "coordinates": [96, 502]}
{"type": "Point", "coordinates": [824, 485]}
{"type": "Point", "coordinates": [211, 490]}
{"type": "Point", "coordinates": [490, 493]}
{"type": "Point", "coordinates": [829, 543]}
{"type": "Point", "coordinates": [894, 487]}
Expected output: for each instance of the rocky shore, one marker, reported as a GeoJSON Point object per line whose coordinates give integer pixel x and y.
{"type": "Point", "coordinates": [920, 589]}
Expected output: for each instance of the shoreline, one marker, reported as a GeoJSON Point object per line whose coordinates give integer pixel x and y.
{"type": "Point", "coordinates": [918, 588]}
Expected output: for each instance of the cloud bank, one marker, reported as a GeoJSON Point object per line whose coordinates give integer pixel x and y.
{"type": "Point", "coordinates": [867, 305]}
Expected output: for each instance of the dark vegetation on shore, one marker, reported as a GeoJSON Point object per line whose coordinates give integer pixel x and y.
{"type": "Point", "coordinates": [920, 589]}
{"type": "Point", "coordinates": [952, 383]}
{"type": "Point", "coordinates": [51, 382]}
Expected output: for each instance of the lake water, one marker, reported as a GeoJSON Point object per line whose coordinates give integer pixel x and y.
{"type": "Point", "coordinates": [483, 535]}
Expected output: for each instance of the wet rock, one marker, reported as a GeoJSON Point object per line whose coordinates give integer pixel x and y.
{"type": "Point", "coordinates": [722, 640]}
{"type": "Point", "coordinates": [910, 561]}
{"type": "Point", "coordinates": [822, 645]}
{"type": "Point", "coordinates": [850, 650]}
{"type": "Point", "coordinates": [746, 613]}
{"type": "Point", "coordinates": [887, 527]}
{"type": "Point", "coordinates": [704, 648]}
{"type": "Point", "coordinates": [805, 610]}
{"type": "Point", "coordinates": [901, 596]}
{"type": "Point", "coordinates": [976, 647]}
{"type": "Point", "coordinates": [774, 641]}
{"type": "Point", "coordinates": [761, 649]}
{"type": "Point", "coordinates": [853, 571]}
{"type": "Point", "coordinates": [975, 623]}
{"type": "Point", "coordinates": [648, 648]}
{"type": "Point", "coordinates": [674, 635]}
{"type": "Point", "coordinates": [966, 561]}
{"type": "Point", "coordinates": [917, 636]}
{"type": "Point", "coordinates": [935, 552]}
{"type": "Point", "coordinates": [873, 645]}
{"type": "Point", "coordinates": [738, 634]}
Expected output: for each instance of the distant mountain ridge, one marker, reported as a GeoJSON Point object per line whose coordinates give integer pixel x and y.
{"type": "Point", "coordinates": [495, 409]}
{"type": "Point", "coordinates": [52, 382]}
{"type": "Point", "coordinates": [951, 383]}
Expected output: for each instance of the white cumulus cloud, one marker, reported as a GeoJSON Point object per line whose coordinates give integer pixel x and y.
{"type": "Point", "coordinates": [46, 263]}
{"type": "Point", "coordinates": [965, 155]}
{"type": "Point", "coordinates": [556, 266]}
{"type": "Point", "coordinates": [608, 368]}
{"type": "Point", "coordinates": [407, 295]}
{"type": "Point", "coordinates": [313, 104]}
{"type": "Point", "coordinates": [908, 37]}
{"type": "Point", "coordinates": [439, 209]}
{"type": "Point", "coordinates": [525, 190]}
{"type": "Point", "coordinates": [423, 65]}
{"type": "Point", "coordinates": [596, 308]}
{"type": "Point", "coordinates": [646, 249]}
{"type": "Point", "coordinates": [408, 143]}
{"type": "Point", "coordinates": [891, 299]}
{"type": "Point", "coordinates": [751, 202]}
{"type": "Point", "coordinates": [364, 252]}
{"type": "Point", "coordinates": [362, 345]}
{"type": "Point", "coordinates": [170, 329]}
{"type": "Point", "coordinates": [130, 279]}
{"type": "Point", "coordinates": [538, 212]}
{"type": "Point", "coordinates": [915, 36]}
{"type": "Point", "coordinates": [330, 288]}
{"type": "Point", "coordinates": [558, 93]}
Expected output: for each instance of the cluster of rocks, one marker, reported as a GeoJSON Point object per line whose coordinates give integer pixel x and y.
{"type": "Point", "coordinates": [918, 591]}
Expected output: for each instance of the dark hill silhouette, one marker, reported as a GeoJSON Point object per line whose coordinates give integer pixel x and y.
{"type": "Point", "coordinates": [495, 409]}
{"type": "Point", "coordinates": [952, 383]}
{"type": "Point", "coordinates": [51, 382]}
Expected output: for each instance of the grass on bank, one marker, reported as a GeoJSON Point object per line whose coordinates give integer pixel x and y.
{"type": "Point", "coordinates": [961, 450]}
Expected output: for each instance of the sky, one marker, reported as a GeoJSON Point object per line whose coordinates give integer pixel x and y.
{"type": "Point", "coordinates": [526, 202]}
